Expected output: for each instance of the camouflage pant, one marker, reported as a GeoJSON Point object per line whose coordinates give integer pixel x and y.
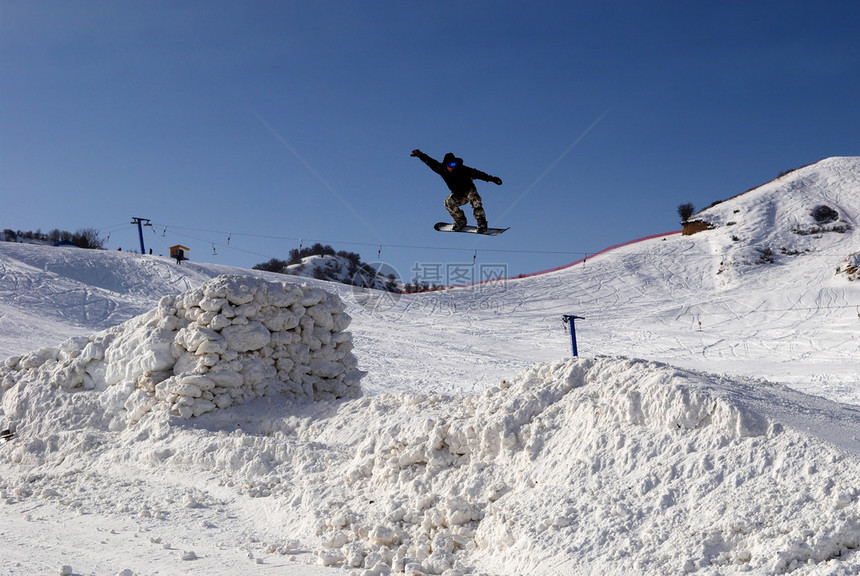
{"type": "Point", "coordinates": [453, 203]}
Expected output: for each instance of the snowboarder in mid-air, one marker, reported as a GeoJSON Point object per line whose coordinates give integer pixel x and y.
{"type": "Point", "coordinates": [459, 179]}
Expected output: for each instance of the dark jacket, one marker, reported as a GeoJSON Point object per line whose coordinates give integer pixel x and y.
{"type": "Point", "coordinates": [459, 180]}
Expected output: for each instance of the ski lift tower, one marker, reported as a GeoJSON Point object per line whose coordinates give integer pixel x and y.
{"type": "Point", "coordinates": [141, 222]}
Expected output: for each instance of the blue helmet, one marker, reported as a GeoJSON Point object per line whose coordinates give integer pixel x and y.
{"type": "Point", "coordinates": [451, 161]}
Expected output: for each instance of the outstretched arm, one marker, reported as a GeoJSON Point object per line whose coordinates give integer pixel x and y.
{"type": "Point", "coordinates": [434, 165]}
{"type": "Point", "coordinates": [485, 177]}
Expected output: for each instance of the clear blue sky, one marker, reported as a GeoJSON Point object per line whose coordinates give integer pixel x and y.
{"type": "Point", "coordinates": [270, 122]}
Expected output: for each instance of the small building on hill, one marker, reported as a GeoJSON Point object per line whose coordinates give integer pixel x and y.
{"type": "Point", "coordinates": [179, 252]}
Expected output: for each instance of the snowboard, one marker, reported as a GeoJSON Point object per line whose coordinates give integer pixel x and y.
{"type": "Point", "coordinates": [6, 435]}
{"type": "Point", "coordinates": [449, 227]}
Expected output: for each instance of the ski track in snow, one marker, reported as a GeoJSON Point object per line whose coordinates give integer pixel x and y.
{"type": "Point", "coordinates": [475, 449]}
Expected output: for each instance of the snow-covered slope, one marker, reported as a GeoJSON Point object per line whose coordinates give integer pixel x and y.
{"type": "Point", "coordinates": [810, 212]}
{"type": "Point", "coordinates": [478, 444]}
{"type": "Point", "coordinates": [48, 293]}
{"type": "Point", "coordinates": [336, 268]}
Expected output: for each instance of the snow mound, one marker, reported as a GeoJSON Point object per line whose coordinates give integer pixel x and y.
{"type": "Point", "coordinates": [574, 454]}
{"type": "Point", "coordinates": [537, 475]}
{"type": "Point", "coordinates": [501, 474]}
{"type": "Point", "coordinates": [578, 466]}
{"type": "Point", "coordinates": [232, 339]}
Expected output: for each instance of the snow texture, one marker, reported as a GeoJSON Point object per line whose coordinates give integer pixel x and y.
{"type": "Point", "coordinates": [220, 430]}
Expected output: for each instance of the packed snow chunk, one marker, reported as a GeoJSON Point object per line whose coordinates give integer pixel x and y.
{"type": "Point", "coordinates": [139, 346]}
{"type": "Point", "coordinates": [232, 339]}
{"type": "Point", "coordinates": [247, 337]}
{"type": "Point", "coordinates": [236, 290]}
{"type": "Point", "coordinates": [382, 535]}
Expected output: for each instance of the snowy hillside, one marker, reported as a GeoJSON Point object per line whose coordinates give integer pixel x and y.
{"type": "Point", "coordinates": [339, 269]}
{"type": "Point", "coordinates": [803, 213]}
{"type": "Point", "coordinates": [711, 425]}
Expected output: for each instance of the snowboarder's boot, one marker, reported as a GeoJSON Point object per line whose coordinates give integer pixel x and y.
{"type": "Point", "coordinates": [482, 226]}
{"type": "Point", "coordinates": [459, 225]}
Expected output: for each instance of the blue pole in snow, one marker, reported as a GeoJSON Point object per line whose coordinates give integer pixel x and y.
{"type": "Point", "coordinates": [570, 318]}
{"type": "Point", "coordinates": [140, 230]}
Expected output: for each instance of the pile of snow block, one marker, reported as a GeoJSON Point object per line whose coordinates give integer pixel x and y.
{"type": "Point", "coordinates": [233, 339]}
